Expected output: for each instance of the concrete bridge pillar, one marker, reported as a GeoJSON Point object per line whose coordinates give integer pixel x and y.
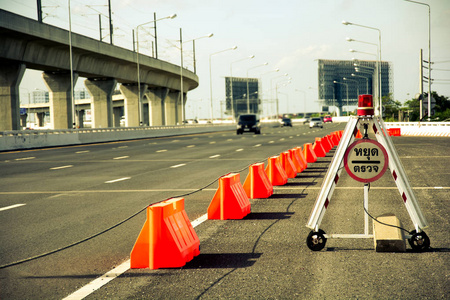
{"type": "Point", "coordinates": [157, 99]}
{"type": "Point", "coordinates": [181, 104]}
{"type": "Point", "coordinates": [10, 77]}
{"type": "Point", "coordinates": [170, 108]}
{"type": "Point", "coordinates": [101, 91]}
{"type": "Point", "coordinates": [40, 116]}
{"type": "Point", "coordinates": [23, 120]}
{"type": "Point", "coordinates": [130, 93]}
{"type": "Point", "coordinates": [80, 118]}
{"type": "Point", "coordinates": [61, 115]}
{"type": "Point", "coordinates": [117, 114]}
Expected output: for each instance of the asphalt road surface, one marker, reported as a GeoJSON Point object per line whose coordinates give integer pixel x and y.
{"type": "Point", "coordinates": [51, 198]}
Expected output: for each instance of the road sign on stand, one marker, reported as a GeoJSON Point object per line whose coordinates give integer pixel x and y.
{"type": "Point", "coordinates": [366, 160]}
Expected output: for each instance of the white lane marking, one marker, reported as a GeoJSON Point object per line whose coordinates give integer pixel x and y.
{"type": "Point", "coordinates": [212, 142]}
{"type": "Point", "coordinates": [116, 180]}
{"type": "Point", "coordinates": [25, 158]}
{"type": "Point", "coordinates": [121, 157]}
{"type": "Point", "coordinates": [62, 167]}
{"type": "Point", "coordinates": [239, 150]}
{"type": "Point", "coordinates": [114, 273]}
{"type": "Point", "coordinates": [160, 151]}
{"type": "Point", "coordinates": [199, 220]}
{"type": "Point", "coordinates": [214, 156]}
{"type": "Point", "coordinates": [11, 206]}
{"type": "Point", "coordinates": [258, 145]}
{"type": "Point", "coordinates": [229, 140]}
{"type": "Point", "coordinates": [177, 166]}
{"type": "Point", "coordinates": [79, 152]}
{"type": "Point", "coordinates": [271, 142]}
{"type": "Point", "coordinates": [121, 147]}
{"type": "Point", "coordinates": [190, 146]}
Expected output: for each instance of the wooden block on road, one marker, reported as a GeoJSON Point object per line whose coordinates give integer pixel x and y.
{"type": "Point", "coordinates": [387, 238]}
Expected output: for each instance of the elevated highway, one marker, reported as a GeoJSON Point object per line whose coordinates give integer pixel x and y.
{"type": "Point", "coordinates": [27, 43]}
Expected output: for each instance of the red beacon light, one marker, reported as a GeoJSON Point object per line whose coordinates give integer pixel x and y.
{"type": "Point", "coordinates": [365, 105]}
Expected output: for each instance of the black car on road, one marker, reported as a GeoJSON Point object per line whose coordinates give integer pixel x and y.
{"type": "Point", "coordinates": [248, 122]}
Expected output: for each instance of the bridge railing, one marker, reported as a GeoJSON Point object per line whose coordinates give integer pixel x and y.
{"type": "Point", "coordinates": [421, 128]}
{"type": "Point", "coordinates": [28, 139]}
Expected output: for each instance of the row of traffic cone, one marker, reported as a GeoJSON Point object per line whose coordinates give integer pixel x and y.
{"type": "Point", "coordinates": [259, 182]}
{"type": "Point", "coordinates": [168, 239]}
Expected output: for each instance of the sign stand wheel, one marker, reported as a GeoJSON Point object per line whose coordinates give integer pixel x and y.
{"type": "Point", "coordinates": [316, 240]}
{"type": "Point", "coordinates": [419, 241]}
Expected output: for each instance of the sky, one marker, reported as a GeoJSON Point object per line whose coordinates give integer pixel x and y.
{"type": "Point", "coordinates": [289, 35]}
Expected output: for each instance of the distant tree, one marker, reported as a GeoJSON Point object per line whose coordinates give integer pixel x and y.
{"type": "Point", "coordinates": [441, 110]}
{"type": "Point", "coordinates": [391, 107]}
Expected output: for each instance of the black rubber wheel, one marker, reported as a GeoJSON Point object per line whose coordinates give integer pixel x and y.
{"type": "Point", "coordinates": [419, 241]}
{"type": "Point", "coordinates": [316, 240]}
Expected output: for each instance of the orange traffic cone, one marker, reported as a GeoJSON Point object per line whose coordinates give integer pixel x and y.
{"type": "Point", "coordinates": [167, 239]}
{"type": "Point", "coordinates": [288, 165]}
{"type": "Point", "coordinates": [334, 138]}
{"type": "Point", "coordinates": [318, 149]}
{"type": "Point", "coordinates": [325, 145]}
{"type": "Point", "coordinates": [230, 200]}
{"type": "Point", "coordinates": [302, 157]}
{"type": "Point", "coordinates": [299, 165]}
{"type": "Point", "coordinates": [275, 172]}
{"type": "Point", "coordinates": [309, 153]}
{"type": "Point", "coordinates": [257, 184]}
{"type": "Point", "coordinates": [329, 142]}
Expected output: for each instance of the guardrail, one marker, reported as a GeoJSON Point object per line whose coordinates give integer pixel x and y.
{"type": "Point", "coordinates": [29, 139]}
{"type": "Point", "coordinates": [421, 128]}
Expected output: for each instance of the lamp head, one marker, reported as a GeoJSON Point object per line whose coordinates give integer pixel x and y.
{"type": "Point", "coordinates": [365, 105]}
{"type": "Point", "coordinates": [173, 16]}
{"type": "Point", "coordinates": [346, 23]}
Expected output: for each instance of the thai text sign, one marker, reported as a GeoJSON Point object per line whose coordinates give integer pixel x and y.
{"type": "Point", "coordinates": [366, 160]}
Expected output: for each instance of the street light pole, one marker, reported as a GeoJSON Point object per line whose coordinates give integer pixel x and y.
{"type": "Point", "coordinates": [248, 96]}
{"type": "Point", "coordinates": [181, 81]}
{"type": "Point", "coordinates": [304, 101]}
{"type": "Point", "coordinates": [357, 85]}
{"type": "Point", "coordinates": [181, 71]}
{"type": "Point", "coordinates": [193, 49]}
{"type": "Point", "coordinates": [71, 69]}
{"type": "Point", "coordinates": [231, 83]}
{"type": "Point", "coordinates": [429, 55]}
{"type": "Point", "coordinates": [346, 85]}
{"type": "Point", "coordinates": [367, 81]}
{"type": "Point", "coordinates": [140, 109]}
{"type": "Point", "coordinates": [210, 78]}
{"type": "Point", "coordinates": [378, 64]}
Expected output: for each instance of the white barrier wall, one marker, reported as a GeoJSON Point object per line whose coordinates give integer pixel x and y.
{"type": "Point", "coordinates": [422, 128]}
{"type": "Point", "coordinates": [28, 139]}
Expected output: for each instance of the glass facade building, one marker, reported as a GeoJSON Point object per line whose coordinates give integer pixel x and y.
{"type": "Point", "coordinates": [340, 82]}
{"type": "Point", "coordinates": [236, 90]}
